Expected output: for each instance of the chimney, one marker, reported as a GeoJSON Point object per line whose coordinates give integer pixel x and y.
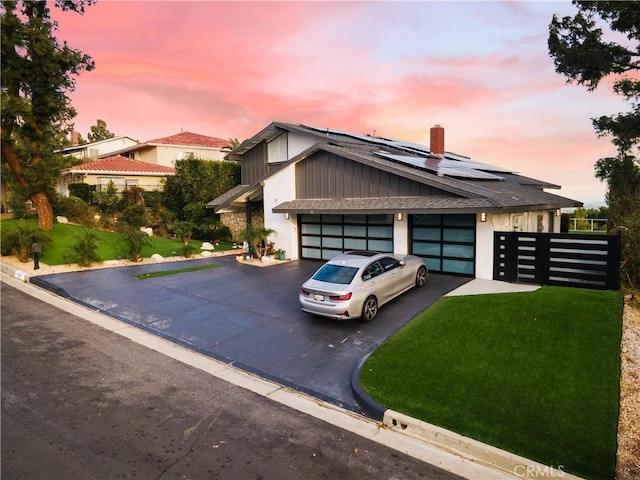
{"type": "Point", "coordinates": [436, 146]}
{"type": "Point", "coordinates": [75, 138]}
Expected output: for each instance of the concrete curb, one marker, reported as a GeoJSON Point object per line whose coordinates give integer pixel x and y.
{"type": "Point", "coordinates": [465, 447]}
{"type": "Point", "coordinates": [473, 450]}
{"type": "Point", "coordinates": [504, 464]}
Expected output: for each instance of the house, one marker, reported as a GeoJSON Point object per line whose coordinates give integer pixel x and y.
{"type": "Point", "coordinates": [326, 191]}
{"type": "Point", "coordinates": [91, 151]}
{"type": "Point", "coordinates": [165, 151]}
{"type": "Point", "coordinates": [123, 172]}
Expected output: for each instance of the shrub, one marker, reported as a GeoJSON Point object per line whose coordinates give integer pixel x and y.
{"type": "Point", "coordinates": [18, 240]}
{"type": "Point", "coordinates": [135, 215]}
{"type": "Point", "coordinates": [83, 191]}
{"type": "Point", "coordinates": [184, 230]}
{"type": "Point", "coordinates": [217, 231]}
{"type": "Point", "coordinates": [108, 199]}
{"type": "Point", "coordinates": [73, 208]}
{"type": "Point", "coordinates": [132, 242]}
{"type": "Point", "coordinates": [82, 249]}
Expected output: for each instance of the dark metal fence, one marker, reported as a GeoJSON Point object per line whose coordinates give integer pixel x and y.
{"type": "Point", "coordinates": [573, 260]}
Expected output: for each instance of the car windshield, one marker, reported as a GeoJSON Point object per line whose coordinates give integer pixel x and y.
{"type": "Point", "coordinates": [335, 274]}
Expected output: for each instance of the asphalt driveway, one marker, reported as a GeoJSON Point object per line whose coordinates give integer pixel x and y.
{"type": "Point", "coordinates": [248, 316]}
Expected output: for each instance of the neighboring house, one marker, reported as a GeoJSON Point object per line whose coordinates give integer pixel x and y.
{"type": "Point", "coordinates": [325, 191]}
{"type": "Point", "coordinates": [123, 171]}
{"type": "Point", "coordinates": [91, 151]}
{"type": "Point", "coordinates": [165, 151]}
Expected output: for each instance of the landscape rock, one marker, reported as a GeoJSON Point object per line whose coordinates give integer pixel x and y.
{"type": "Point", "coordinates": [61, 219]}
{"type": "Point", "coordinates": [206, 253]}
{"type": "Point", "coordinates": [156, 257]}
{"type": "Point", "coordinates": [207, 246]}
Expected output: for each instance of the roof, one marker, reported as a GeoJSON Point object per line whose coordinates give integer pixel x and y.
{"type": "Point", "coordinates": [192, 140]}
{"type": "Point", "coordinates": [74, 148]}
{"type": "Point", "coordinates": [477, 186]}
{"type": "Point", "coordinates": [121, 165]}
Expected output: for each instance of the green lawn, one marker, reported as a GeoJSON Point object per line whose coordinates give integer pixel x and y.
{"type": "Point", "coordinates": [108, 246]}
{"type": "Point", "coordinates": [534, 373]}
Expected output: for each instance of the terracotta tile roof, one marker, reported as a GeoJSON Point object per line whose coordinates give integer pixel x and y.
{"type": "Point", "coordinates": [120, 164]}
{"type": "Point", "coordinates": [193, 140]}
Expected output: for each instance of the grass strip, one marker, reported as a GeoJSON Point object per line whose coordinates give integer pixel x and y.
{"type": "Point", "coordinates": [164, 273]}
{"type": "Point", "coordinates": [533, 373]}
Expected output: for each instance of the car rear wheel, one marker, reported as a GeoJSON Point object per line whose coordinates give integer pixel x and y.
{"type": "Point", "coordinates": [369, 309]}
{"type": "Point", "coordinates": [421, 276]}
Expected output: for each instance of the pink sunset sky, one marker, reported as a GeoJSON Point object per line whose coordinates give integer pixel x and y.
{"type": "Point", "coordinates": [228, 69]}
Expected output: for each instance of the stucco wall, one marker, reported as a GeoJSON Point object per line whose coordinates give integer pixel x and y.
{"type": "Point", "coordinates": [280, 188]}
{"type": "Point", "coordinates": [166, 155]}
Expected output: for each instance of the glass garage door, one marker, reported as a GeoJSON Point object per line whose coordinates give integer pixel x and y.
{"type": "Point", "coordinates": [446, 242]}
{"type": "Point", "coordinates": [323, 237]}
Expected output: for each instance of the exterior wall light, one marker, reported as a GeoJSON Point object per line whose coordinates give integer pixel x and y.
{"type": "Point", "coordinates": [557, 212]}
{"type": "Point", "coordinates": [399, 216]}
{"type": "Point", "coordinates": [483, 216]}
{"type": "Point", "coordinates": [287, 215]}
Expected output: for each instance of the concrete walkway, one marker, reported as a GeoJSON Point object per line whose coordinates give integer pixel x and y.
{"type": "Point", "coordinates": [478, 286]}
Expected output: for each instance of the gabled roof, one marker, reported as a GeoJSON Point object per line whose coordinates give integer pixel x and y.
{"type": "Point", "coordinates": [119, 165]}
{"type": "Point", "coordinates": [184, 139]}
{"type": "Point", "coordinates": [76, 148]}
{"type": "Point", "coordinates": [192, 140]}
{"type": "Point", "coordinates": [479, 186]}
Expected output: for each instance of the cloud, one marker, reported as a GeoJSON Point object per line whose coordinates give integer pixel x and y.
{"type": "Point", "coordinates": [228, 69]}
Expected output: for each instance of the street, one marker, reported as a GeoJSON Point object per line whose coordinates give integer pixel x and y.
{"type": "Point", "coordinates": [81, 402]}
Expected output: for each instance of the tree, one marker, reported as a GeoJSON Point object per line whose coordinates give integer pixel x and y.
{"type": "Point", "coordinates": [197, 182]}
{"type": "Point", "coordinates": [99, 132]}
{"type": "Point", "coordinates": [582, 54]}
{"type": "Point", "coordinates": [37, 75]}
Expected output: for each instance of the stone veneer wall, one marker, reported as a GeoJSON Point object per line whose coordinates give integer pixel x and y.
{"type": "Point", "coordinates": [236, 221]}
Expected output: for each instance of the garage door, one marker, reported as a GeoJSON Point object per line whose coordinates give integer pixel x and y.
{"type": "Point", "coordinates": [323, 237]}
{"type": "Point", "coordinates": [446, 242]}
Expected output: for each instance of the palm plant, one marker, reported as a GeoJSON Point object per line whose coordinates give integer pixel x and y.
{"type": "Point", "coordinates": [132, 242]}
{"type": "Point", "coordinates": [19, 239]}
{"type": "Point", "coordinates": [254, 235]}
{"type": "Point", "coordinates": [82, 249]}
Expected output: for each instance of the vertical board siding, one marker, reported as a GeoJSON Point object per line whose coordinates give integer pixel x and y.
{"type": "Point", "coordinates": [326, 175]}
{"type": "Point", "coordinates": [587, 261]}
{"type": "Point", "coordinates": [254, 164]}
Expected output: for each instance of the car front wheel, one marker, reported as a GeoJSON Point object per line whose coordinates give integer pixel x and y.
{"type": "Point", "coordinates": [369, 309]}
{"type": "Point", "coordinates": [421, 276]}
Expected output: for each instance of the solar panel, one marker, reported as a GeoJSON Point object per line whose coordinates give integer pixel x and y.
{"type": "Point", "coordinates": [452, 165]}
{"type": "Point", "coordinates": [445, 167]}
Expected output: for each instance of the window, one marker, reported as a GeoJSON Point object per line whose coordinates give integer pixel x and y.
{"type": "Point", "coordinates": [277, 149]}
{"type": "Point", "coordinates": [103, 183]}
{"type": "Point", "coordinates": [389, 263]}
{"type": "Point", "coordinates": [372, 271]}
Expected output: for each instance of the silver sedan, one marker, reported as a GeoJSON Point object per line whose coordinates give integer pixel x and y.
{"type": "Point", "coordinates": [356, 284]}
